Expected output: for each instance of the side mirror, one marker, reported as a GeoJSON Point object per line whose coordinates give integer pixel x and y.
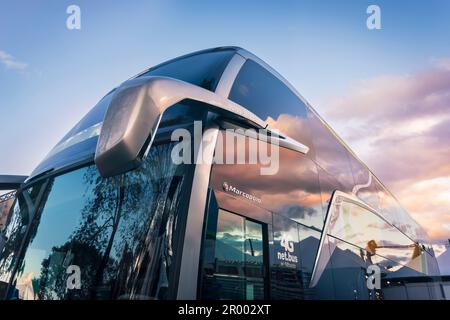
{"type": "Point", "coordinates": [135, 111]}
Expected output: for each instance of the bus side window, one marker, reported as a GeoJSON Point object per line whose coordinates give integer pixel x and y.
{"type": "Point", "coordinates": [261, 92]}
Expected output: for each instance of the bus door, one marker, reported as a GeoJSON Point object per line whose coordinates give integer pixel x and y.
{"type": "Point", "coordinates": [234, 258]}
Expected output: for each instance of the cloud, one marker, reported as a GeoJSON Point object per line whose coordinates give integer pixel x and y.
{"type": "Point", "coordinates": [395, 98]}
{"type": "Point", "coordinates": [11, 62]}
{"type": "Point", "coordinates": [400, 126]}
{"type": "Point", "coordinates": [443, 63]}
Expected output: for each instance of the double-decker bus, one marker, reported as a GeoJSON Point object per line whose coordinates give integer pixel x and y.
{"type": "Point", "coordinates": [118, 210]}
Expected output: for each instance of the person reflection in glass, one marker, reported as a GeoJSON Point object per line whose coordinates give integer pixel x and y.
{"type": "Point", "coordinates": [372, 246]}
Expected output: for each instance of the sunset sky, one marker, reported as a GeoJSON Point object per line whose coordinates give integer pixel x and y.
{"type": "Point", "coordinates": [386, 92]}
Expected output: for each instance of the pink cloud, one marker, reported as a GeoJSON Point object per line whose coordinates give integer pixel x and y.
{"type": "Point", "coordinates": [393, 98]}
{"type": "Point", "coordinates": [400, 126]}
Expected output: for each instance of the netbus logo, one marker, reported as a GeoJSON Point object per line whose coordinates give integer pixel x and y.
{"type": "Point", "coordinates": [288, 255]}
{"type": "Point", "coordinates": [229, 188]}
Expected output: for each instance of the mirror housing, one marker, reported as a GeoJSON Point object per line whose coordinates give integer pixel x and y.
{"type": "Point", "coordinates": [134, 113]}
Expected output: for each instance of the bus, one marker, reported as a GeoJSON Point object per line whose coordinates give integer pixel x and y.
{"type": "Point", "coordinates": [121, 209]}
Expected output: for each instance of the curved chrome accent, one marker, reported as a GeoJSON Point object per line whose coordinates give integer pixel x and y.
{"type": "Point", "coordinates": [188, 280]}
{"type": "Point", "coordinates": [134, 114]}
{"type": "Point", "coordinates": [277, 138]}
{"type": "Point", "coordinates": [337, 198]}
{"type": "Point", "coordinates": [321, 253]}
{"type": "Point", "coordinates": [229, 75]}
{"type": "Point", "coordinates": [358, 187]}
{"type": "Point", "coordinates": [293, 144]}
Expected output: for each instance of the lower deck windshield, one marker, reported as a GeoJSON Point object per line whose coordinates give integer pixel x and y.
{"type": "Point", "coordinates": [96, 238]}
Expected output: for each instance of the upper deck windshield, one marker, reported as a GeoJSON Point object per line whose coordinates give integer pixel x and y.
{"type": "Point", "coordinates": [203, 69]}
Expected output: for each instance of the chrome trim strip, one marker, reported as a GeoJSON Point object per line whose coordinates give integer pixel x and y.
{"type": "Point", "coordinates": [229, 75]}
{"type": "Point", "coordinates": [277, 138]}
{"type": "Point", "coordinates": [293, 144]}
{"type": "Point", "coordinates": [314, 275]}
{"type": "Point", "coordinates": [187, 283]}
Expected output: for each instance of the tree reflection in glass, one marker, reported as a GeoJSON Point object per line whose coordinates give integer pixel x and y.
{"type": "Point", "coordinates": [119, 231]}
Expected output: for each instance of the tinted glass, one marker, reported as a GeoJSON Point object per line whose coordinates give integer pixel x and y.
{"type": "Point", "coordinates": [400, 282]}
{"type": "Point", "coordinates": [285, 271]}
{"type": "Point", "coordinates": [355, 224]}
{"type": "Point", "coordinates": [269, 98]}
{"type": "Point", "coordinates": [5, 209]}
{"type": "Point", "coordinates": [236, 270]}
{"type": "Point", "coordinates": [203, 69]}
{"type": "Point", "coordinates": [309, 245]}
{"type": "Point", "coordinates": [80, 142]}
{"type": "Point", "coordinates": [292, 191]}
{"type": "Point", "coordinates": [115, 238]}
{"type": "Point", "coordinates": [265, 95]}
{"type": "Point", "coordinates": [14, 230]}
{"type": "Point", "coordinates": [349, 271]}
{"type": "Point", "coordinates": [328, 184]}
{"type": "Point", "coordinates": [331, 155]}
{"type": "Point", "coordinates": [93, 117]}
{"type": "Point", "coordinates": [365, 184]}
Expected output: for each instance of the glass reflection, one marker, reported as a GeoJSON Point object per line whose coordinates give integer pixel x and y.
{"type": "Point", "coordinates": [368, 193]}
{"type": "Point", "coordinates": [349, 271]}
{"type": "Point", "coordinates": [5, 209]}
{"type": "Point", "coordinates": [265, 95]}
{"type": "Point", "coordinates": [120, 233]}
{"type": "Point", "coordinates": [328, 184]}
{"type": "Point", "coordinates": [293, 191]}
{"type": "Point", "coordinates": [203, 69]}
{"type": "Point", "coordinates": [354, 224]}
{"type": "Point", "coordinates": [331, 155]}
{"type": "Point", "coordinates": [14, 230]}
{"type": "Point", "coordinates": [237, 271]}
{"type": "Point", "coordinates": [286, 277]}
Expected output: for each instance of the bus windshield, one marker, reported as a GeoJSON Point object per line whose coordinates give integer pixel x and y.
{"type": "Point", "coordinates": [96, 238]}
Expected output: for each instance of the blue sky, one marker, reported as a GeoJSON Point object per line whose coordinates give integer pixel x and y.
{"type": "Point", "coordinates": [51, 76]}
{"type": "Point", "coordinates": [322, 47]}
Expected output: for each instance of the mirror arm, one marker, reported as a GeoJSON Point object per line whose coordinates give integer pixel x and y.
{"type": "Point", "coordinates": [133, 116]}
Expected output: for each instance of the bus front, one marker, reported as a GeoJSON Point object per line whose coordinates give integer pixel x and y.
{"type": "Point", "coordinates": [109, 214]}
